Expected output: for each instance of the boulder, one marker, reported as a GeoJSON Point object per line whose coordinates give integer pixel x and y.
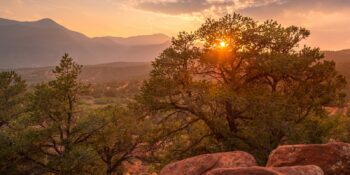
{"type": "Point", "coordinates": [332, 158]}
{"type": "Point", "coordinates": [243, 171]}
{"type": "Point", "coordinates": [201, 164]}
{"type": "Point", "coordinates": [295, 170]}
{"type": "Point", "coordinates": [299, 170]}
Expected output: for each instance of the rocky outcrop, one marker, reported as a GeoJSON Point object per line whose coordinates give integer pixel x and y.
{"type": "Point", "coordinates": [243, 171]}
{"type": "Point", "coordinates": [299, 170]}
{"type": "Point", "coordinates": [295, 170]}
{"type": "Point", "coordinates": [332, 158]}
{"type": "Point", "coordinates": [312, 159]}
{"type": "Point", "coordinates": [199, 165]}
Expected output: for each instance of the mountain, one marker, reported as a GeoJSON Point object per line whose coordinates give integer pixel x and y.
{"type": "Point", "coordinates": [122, 71]}
{"type": "Point", "coordinates": [43, 42]}
{"type": "Point", "coordinates": [341, 56]}
{"type": "Point", "coordinates": [342, 60]}
{"type": "Point", "coordinates": [141, 40]}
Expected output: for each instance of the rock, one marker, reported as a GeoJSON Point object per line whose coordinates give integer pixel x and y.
{"type": "Point", "coordinates": [203, 163]}
{"type": "Point", "coordinates": [332, 158]}
{"type": "Point", "coordinates": [299, 170]}
{"type": "Point", "coordinates": [295, 170]}
{"type": "Point", "coordinates": [243, 171]}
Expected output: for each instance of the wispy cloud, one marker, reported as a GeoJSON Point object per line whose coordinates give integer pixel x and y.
{"type": "Point", "coordinates": [328, 20]}
{"type": "Point", "coordinates": [176, 7]}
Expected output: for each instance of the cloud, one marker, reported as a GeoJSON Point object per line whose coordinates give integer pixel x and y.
{"type": "Point", "coordinates": [176, 7]}
{"type": "Point", "coordinates": [328, 20]}
{"type": "Point", "coordinates": [6, 12]}
{"type": "Point", "coordinates": [279, 7]}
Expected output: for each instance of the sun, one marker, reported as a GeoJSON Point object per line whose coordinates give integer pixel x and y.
{"type": "Point", "coordinates": [223, 44]}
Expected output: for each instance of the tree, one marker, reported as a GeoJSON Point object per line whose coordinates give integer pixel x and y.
{"type": "Point", "coordinates": [12, 106]}
{"type": "Point", "coordinates": [12, 94]}
{"type": "Point", "coordinates": [56, 132]}
{"type": "Point", "coordinates": [121, 138]}
{"type": "Point", "coordinates": [246, 84]}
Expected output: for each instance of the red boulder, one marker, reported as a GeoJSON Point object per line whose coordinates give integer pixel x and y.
{"type": "Point", "coordinates": [299, 170]}
{"type": "Point", "coordinates": [295, 170]}
{"type": "Point", "coordinates": [243, 171]}
{"type": "Point", "coordinates": [332, 158]}
{"type": "Point", "coordinates": [201, 164]}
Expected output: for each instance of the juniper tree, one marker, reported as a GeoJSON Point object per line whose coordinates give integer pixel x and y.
{"type": "Point", "coordinates": [245, 84]}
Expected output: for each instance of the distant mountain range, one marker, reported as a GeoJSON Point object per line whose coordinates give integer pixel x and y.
{"type": "Point", "coordinates": [126, 71]}
{"type": "Point", "coordinates": [342, 60]}
{"type": "Point", "coordinates": [42, 43]}
{"type": "Point", "coordinates": [341, 56]}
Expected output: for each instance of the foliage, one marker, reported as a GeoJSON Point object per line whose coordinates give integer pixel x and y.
{"type": "Point", "coordinates": [55, 132]}
{"type": "Point", "coordinates": [12, 106]}
{"type": "Point", "coordinates": [248, 94]}
{"type": "Point", "coordinates": [51, 131]}
{"type": "Point", "coordinates": [121, 139]}
{"type": "Point", "coordinates": [12, 94]}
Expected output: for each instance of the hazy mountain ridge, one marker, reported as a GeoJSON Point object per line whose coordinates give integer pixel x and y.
{"type": "Point", "coordinates": [125, 71]}
{"type": "Point", "coordinates": [42, 43]}
{"type": "Point", "coordinates": [140, 40]}
{"type": "Point", "coordinates": [342, 60]}
{"type": "Point", "coordinates": [339, 56]}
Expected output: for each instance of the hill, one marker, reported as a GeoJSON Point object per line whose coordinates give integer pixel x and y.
{"type": "Point", "coordinates": [140, 40]}
{"type": "Point", "coordinates": [122, 71]}
{"type": "Point", "coordinates": [42, 43]}
{"type": "Point", "coordinates": [342, 60]}
{"type": "Point", "coordinates": [94, 74]}
{"type": "Point", "coordinates": [341, 56]}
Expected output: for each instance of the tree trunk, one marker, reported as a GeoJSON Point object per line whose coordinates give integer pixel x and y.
{"type": "Point", "coordinates": [230, 116]}
{"type": "Point", "coordinates": [109, 170]}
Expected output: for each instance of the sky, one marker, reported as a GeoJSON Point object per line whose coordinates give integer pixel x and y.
{"type": "Point", "coordinates": [328, 20]}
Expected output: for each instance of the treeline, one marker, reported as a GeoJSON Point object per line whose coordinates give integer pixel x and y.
{"type": "Point", "coordinates": [234, 84]}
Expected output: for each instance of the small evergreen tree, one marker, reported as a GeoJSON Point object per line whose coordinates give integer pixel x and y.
{"type": "Point", "coordinates": [57, 130]}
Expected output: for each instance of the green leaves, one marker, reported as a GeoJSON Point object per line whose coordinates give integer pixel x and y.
{"type": "Point", "coordinates": [121, 138]}
{"type": "Point", "coordinates": [12, 95]}
{"type": "Point", "coordinates": [250, 94]}
{"type": "Point", "coordinates": [57, 129]}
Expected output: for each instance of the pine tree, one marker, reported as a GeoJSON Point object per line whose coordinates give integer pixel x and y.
{"type": "Point", "coordinates": [58, 130]}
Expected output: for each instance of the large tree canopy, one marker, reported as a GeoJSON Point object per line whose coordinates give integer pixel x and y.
{"type": "Point", "coordinates": [249, 85]}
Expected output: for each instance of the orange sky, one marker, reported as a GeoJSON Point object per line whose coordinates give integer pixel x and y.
{"type": "Point", "coordinates": [328, 20]}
